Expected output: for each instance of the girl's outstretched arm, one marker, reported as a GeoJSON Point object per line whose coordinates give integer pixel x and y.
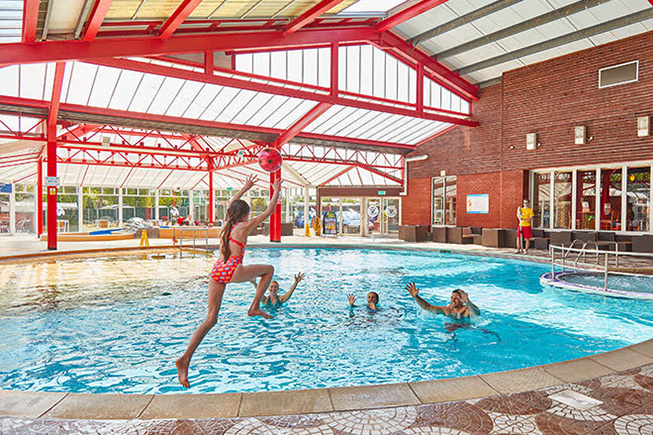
{"type": "Point", "coordinates": [276, 187]}
{"type": "Point", "coordinates": [249, 182]}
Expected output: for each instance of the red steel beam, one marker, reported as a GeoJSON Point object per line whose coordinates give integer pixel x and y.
{"type": "Point", "coordinates": [30, 18]}
{"type": "Point", "coordinates": [53, 51]}
{"type": "Point", "coordinates": [278, 90]}
{"type": "Point", "coordinates": [25, 102]}
{"type": "Point", "coordinates": [178, 17]}
{"type": "Point", "coordinates": [301, 124]}
{"type": "Point", "coordinates": [308, 16]}
{"type": "Point", "coordinates": [407, 14]}
{"type": "Point", "coordinates": [95, 21]}
{"type": "Point", "coordinates": [344, 171]}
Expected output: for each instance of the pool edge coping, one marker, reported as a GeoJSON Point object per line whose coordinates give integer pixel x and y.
{"type": "Point", "coordinates": [112, 406]}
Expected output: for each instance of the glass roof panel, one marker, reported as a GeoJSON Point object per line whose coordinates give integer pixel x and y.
{"type": "Point", "coordinates": [166, 95]}
{"type": "Point", "coordinates": [81, 82]}
{"type": "Point", "coordinates": [371, 6]}
{"type": "Point", "coordinates": [32, 79]}
{"type": "Point", "coordinates": [147, 89]}
{"type": "Point", "coordinates": [127, 84]}
{"type": "Point", "coordinates": [184, 98]}
{"type": "Point", "coordinates": [201, 102]}
{"type": "Point", "coordinates": [104, 86]}
{"type": "Point", "coordinates": [9, 80]}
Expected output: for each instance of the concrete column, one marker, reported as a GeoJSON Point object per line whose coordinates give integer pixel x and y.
{"type": "Point", "coordinates": [288, 217]}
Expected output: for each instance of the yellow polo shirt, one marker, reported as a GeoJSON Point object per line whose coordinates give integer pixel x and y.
{"type": "Point", "coordinates": [526, 213]}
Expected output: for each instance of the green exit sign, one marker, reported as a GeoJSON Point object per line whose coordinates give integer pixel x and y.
{"type": "Point", "coordinates": [381, 192]}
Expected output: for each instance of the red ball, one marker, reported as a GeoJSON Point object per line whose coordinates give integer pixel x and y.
{"type": "Point", "coordinates": [270, 159]}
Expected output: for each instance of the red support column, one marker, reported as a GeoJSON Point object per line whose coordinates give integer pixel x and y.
{"type": "Point", "coordinates": [334, 68]}
{"type": "Point", "coordinates": [51, 135]}
{"type": "Point", "coordinates": [275, 219]}
{"type": "Point", "coordinates": [39, 198]}
{"type": "Point", "coordinates": [52, 190]}
{"type": "Point", "coordinates": [209, 215]}
{"type": "Point", "coordinates": [419, 100]}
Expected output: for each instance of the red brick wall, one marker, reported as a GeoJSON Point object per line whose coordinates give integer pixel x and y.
{"type": "Point", "coordinates": [419, 192]}
{"type": "Point", "coordinates": [549, 98]}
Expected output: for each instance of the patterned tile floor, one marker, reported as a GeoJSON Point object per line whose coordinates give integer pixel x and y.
{"type": "Point", "coordinates": [626, 408]}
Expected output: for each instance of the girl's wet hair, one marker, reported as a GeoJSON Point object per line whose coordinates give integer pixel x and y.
{"type": "Point", "coordinates": [237, 212]}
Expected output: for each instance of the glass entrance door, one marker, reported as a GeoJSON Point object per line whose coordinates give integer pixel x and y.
{"type": "Point", "coordinates": [390, 221]}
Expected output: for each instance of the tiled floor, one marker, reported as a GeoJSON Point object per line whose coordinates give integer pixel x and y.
{"type": "Point", "coordinates": [625, 408]}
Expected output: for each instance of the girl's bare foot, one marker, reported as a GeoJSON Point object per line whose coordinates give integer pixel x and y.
{"type": "Point", "coordinates": [259, 312]}
{"type": "Point", "coordinates": [182, 372]}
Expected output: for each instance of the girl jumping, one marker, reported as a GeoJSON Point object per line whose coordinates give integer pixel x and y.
{"type": "Point", "coordinates": [229, 268]}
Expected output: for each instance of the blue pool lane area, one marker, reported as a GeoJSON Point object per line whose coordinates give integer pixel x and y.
{"type": "Point", "coordinates": [123, 335]}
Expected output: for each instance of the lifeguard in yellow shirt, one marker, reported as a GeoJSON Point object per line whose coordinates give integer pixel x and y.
{"type": "Point", "coordinates": [525, 216]}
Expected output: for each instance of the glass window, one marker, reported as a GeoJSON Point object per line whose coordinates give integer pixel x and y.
{"type": "Point", "coordinates": [444, 200]}
{"type": "Point", "coordinates": [611, 199]}
{"type": "Point", "coordinates": [438, 201]}
{"type": "Point", "coordinates": [541, 203]}
{"type": "Point", "coordinates": [562, 200]}
{"type": "Point", "coordinates": [586, 200]}
{"type": "Point", "coordinates": [450, 203]}
{"type": "Point", "coordinates": [638, 194]}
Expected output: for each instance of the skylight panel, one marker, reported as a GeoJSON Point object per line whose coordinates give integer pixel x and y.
{"type": "Point", "coordinates": [166, 95]}
{"type": "Point", "coordinates": [31, 81]}
{"type": "Point", "coordinates": [103, 87]}
{"type": "Point", "coordinates": [261, 64]}
{"type": "Point", "coordinates": [146, 91]}
{"type": "Point", "coordinates": [185, 97]}
{"type": "Point", "coordinates": [9, 81]}
{"type": "Point", "coordinates": [127, 84]}
{"type": "Point", "coordinates": [201, 102]}
{"type": "Point", "coordinates": [81, 81]}
{"type": "Point", "coordinates": [371, 7]}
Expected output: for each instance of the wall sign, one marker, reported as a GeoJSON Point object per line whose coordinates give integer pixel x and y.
{"type": "Point", "coordinates": [478, 204]}
{"type": "Point", "coordinates": [52, 181]}
{"type": "Point", "coordinates": [5, 187]}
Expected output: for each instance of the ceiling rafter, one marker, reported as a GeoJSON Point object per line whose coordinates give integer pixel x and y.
{"type": "Point", "coordinates": [607, 26]}
{"type": "Point", "coordinates": [540, 20]}
{"type": "Point", "coordinates": [407, 14]}
{"type": "Point", "coordinates": [308, 16]}
{"type": "Point", "coordinates": [462, 20]}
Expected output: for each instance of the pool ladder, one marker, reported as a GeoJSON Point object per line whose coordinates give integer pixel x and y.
{"type": "Point", "coordinates": [566, 251]}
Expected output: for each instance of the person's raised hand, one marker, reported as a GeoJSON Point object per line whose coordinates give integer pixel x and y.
{"type": "Point", "coordinates": [463, 296]}
{"type": "Point", "coordinates": [300, 276]}
{"type": "Point", "coordinates": [249, 182]}
{"type": "Point", "coordinates": [412, 289]}
{"type": "Point", "coordinates": [277, 185]}
{"type": "Point", "coordinates": [351, 298]}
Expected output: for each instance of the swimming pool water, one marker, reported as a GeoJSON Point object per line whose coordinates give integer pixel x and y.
{"type": "Point", "coordinates": [630, 283]}
{"type": "Point", "coordinates": [117, 325]}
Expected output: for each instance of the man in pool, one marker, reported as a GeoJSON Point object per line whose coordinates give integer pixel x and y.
{"type": "Point", "coordinates": [273, 298]}
{"type": "Point", "coordinates": [372, 300]}
{"type": "Point", "coordinates": [460, 306]}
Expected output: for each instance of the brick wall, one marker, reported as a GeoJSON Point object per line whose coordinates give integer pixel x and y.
{"type": "Point", "coordinates": [419, 192]}
{"type": "Point", "coordinates": [549, 98]}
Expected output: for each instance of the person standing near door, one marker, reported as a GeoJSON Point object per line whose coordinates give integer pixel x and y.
{"type": "Point", "coordinates": [525, 216]}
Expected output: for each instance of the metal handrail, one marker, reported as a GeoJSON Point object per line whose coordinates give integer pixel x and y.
{"type": "Point", "coordinates": [193, 230]}
{"type": "Point", "coordinates": [585, 252]}
{"type": "Point", "coordinates": [606, 264]}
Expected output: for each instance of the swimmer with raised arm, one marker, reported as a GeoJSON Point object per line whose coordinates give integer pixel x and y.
{"type": "Point", "coordinates": [372, 301]}
{"type": "Point", "coordinates": [273, 297]}
{"type": "Point", "coordinates": [230, 268]}
{"type": "Point", "coordinates": [460, 306]}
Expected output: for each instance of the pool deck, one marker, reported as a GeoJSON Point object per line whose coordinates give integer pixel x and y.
{"type": "Point", "coordinates": [515, 402]}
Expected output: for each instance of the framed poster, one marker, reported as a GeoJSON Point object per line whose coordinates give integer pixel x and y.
{"type": "Point", "coordinates": [478, 203]}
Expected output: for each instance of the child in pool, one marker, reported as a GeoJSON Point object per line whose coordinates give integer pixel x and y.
{"type": "Point", "coordinates": [229, 268]}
